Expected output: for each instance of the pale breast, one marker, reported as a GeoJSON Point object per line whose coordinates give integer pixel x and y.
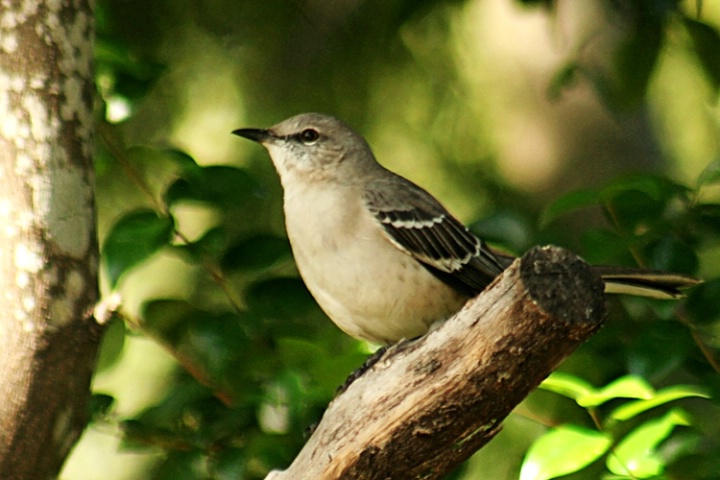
{"type": "Point", "coordinates": [366, 285]}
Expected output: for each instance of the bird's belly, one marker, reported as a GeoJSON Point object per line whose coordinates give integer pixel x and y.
{"type": "Point", "coordinates": [367, 286]}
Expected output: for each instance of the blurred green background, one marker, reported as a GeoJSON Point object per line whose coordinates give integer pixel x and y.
{"type": "Point", "coordinates": [219, 359]}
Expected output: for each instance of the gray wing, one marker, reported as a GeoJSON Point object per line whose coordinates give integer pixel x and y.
{"type": "Point", "coordinates": [420, 226]}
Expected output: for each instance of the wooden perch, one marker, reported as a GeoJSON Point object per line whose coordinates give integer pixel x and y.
{"type": "Point", "coordinates": [428, 405]}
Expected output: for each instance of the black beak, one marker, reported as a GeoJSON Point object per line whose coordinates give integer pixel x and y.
{"type": "Point", "coordinates": [255, 134]}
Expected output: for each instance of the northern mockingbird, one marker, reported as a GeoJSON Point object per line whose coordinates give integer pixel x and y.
{"type": "Point", "coordinates": [382, 257]}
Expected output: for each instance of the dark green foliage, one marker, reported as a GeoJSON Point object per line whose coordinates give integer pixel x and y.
{"type": "Point", "coordinates": [703, 305]}
{"type": "Point", "coordinates": [223, 186]}
{"type": "Point", "coordinates": [262, 353]}
{"type": "Point", "coordinates": [259, 251]}
{"type": "Point", "coordinates": [133, 239]}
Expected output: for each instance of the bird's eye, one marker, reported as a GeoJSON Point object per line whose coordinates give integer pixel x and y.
{"type": "Point", "coordinates": [309, 136]}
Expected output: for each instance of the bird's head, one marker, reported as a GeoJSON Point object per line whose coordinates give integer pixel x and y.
{"type": "Point", "coordinates": [312, 146]}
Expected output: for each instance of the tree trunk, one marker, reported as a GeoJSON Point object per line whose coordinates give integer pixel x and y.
{"type": "Point", "coordinates": [48, 247]}
{"type": "Point", "coordinates": [428, 405]}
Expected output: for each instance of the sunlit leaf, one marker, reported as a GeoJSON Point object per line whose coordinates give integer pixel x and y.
{"type": "Point", "coordinates": [625, 387]}
{"type": "Point", "coordinates": [666, 395]}
{"type": "Point", "coordinates": [562, 451]}
{"type": "Point", "coordinates": [567, 385]}
{"type": "Point", "coordinates": [636, 454]}
{"type": "Point", "coordinates": [132, 240]}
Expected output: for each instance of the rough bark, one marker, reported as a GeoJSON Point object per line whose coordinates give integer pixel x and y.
{"type": "Point", "coordinates": [427, 405]}
{"type": "Point", "coordinates": [48, 248]}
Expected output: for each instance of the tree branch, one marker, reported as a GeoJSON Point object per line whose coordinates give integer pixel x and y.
{"type": "Point", "coordinates": [428, 405]}
{"type": "Point", "coordinates": [48, 246]}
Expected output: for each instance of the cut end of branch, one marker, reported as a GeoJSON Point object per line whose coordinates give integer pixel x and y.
{"type": "Point", "coordinates": [563, 285]}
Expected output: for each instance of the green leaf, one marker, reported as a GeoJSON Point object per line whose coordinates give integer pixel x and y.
{"type": "Point", "coordinates": [625, 387]}
{"type": "Point", "coordinates": [603, 246]}
{"type": "Point", "coordinates": [569, 202]}
{"type": "Point", "coordinates": [706, 42]}
{"type": "Point", "coordinates": [567, 385]}
{"type": "Point", "coordinates": [167, 319]}
{"type": "Point", "coordinates": [178, 191]}
{"type": "Point", "coordinates": [654, 186]}
{"type": "Point", "coordinates": [132, 240]}
{"type": "Point", "coordinates": [710, 174]}
{"type": "Point", "coordinates": [182, 159]}
{"type": "Point", "coordinates": [562, 451]}
{"type": "Point", "coordinates": [228, 186]}
{"type": "Point", "coordinates": [210, 245]}
{"type": "Point", "coordinates": [256, 252]}
{"type": "Point", "coordinates": [636, 454]}
{"type": "Point", "coordinates": [113, 344]}
{"type": "Point", "coordinates": [120, 71]}
{"type": "Point", "coordinates": [100, 404]}
{"type": "Point", "coordinates": [221, 185]}
{"type": "Point", "coordinates": [212, 346]}
{"type": "Point", "coordinates": [666, 395]}
{"type": "Point", "coordinates": [634, 208]}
